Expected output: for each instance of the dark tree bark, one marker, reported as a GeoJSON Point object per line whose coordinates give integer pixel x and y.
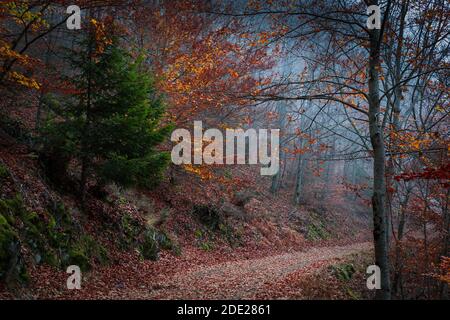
{"type": "Point", "coordinates": [379, 167]}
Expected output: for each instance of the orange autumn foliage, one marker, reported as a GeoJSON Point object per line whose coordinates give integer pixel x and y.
{"type": "Point", "coordinates": [201, 64]}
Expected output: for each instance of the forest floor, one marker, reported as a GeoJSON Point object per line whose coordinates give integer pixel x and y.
{"type": "Point", "coordinates": [248, 279]}
{"type": "Point", "coordinates": [308, 274]}
{"type": "Point", "coordinates": [265, 247]}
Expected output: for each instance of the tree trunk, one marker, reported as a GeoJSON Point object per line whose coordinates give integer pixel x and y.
{"type": "Point", "coordinates": [85, 163]}
{"type": "Point", "coordinates": [379, 180]}
{"type": "Point", "coordinates": [298, 194]}
{"type": "Point", "coordinates": [83, 181]}
{"type": "Point", "coordinates": [397, 285]}
{"type": "Point", "coordinates": [445, 251]}
{"type": "Point", "coordinates": [277, 178]}
{"type": "Point", "coordinates": [396, 110]}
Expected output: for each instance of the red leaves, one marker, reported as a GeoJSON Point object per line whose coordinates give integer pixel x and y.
{"type": "Point", "coordinates": [444, 267]}
{"type": "Point", "coordinates": [429, 173]}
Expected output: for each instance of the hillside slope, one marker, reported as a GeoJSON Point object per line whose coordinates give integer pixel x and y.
{"type": "Point", "coordinates": [186, 221]}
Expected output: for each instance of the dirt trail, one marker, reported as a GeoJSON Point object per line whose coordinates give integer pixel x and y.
{"type": "Point", "coordinates": [243, 279]}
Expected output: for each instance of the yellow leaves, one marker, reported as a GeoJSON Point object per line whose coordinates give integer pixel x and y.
{"type": "Point", "coordinates": [7, 54]}
{"type": "Point", "coordinates": [415, 145]}
{"type": "Point", "coordinates": [224, 127]}
{"type": "Point", "coordinates": [440, 108]}
{"type": "Point", "coordinates": [22, 14]}
{"type": "Point", "coordinates": [101, 36]}
{"type": "Point", "coordinates": [19, 15]}
{"type": "Point", "coordinates": [405, 142]}
{"type": "Point", "coordinates": [203, 172]}
{"type": "Point", "coordinates": [199, 70]}
{"type": "Point", "coordinates": [23, 80]}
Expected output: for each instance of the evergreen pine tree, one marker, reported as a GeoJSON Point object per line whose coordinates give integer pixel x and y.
{"type": "Point", "coordinates": [111, 125]}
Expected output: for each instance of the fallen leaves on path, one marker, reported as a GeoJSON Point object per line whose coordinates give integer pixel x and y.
{"type": "Point", "coordinates": [245, 279]}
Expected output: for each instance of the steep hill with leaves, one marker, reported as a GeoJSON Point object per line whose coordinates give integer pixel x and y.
{"type": "Point", "coordinates": [184, 222]}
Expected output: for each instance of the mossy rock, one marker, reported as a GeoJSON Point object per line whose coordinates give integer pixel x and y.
{"type": "Point", "coordinates": [8, 241]}
{"type": "Point", "coordinates": [36, 232]}
{"type": "Point", "coordinates": [59, 228]}
{"type": "Point", "coordinates": [15, 128]}
{"type": "Point", "coordinates": [4, 173]}
{"type": "Point", "coordinates": [78, 257]}
{"type": "Point", "coordinates": [49, 236]}
{"type": "Point", "coordinates": [12, 268]}
{"type": "Point", "coordinates": [51, 258]}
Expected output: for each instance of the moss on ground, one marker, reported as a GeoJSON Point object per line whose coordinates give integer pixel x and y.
{"type": "Point", "coordinates": [49, 236]}
{"type": "Point", "coordinates": [343, 271]}
{"type": "Point", "coordinates": [12, 268]}
{"type": "Point", "coordinates": [52, 237]}
{"type": "Point", "coordinates": [8, 237]}
{"type": "Point", "coordinates": [4, 173]}
{"type": "Point", "coordinates": [130, 229]}
{"type": "Point", "coordinates": [85, 251]}
{"type": "Point", "coordinates": [316, 229]}
{"type": "Point", "coordinates": [231, 235]}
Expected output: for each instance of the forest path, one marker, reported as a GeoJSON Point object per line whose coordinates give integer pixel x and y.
{"type": "Point", "coordinates": [245, 279]}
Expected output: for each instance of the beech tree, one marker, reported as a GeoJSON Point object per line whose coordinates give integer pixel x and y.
{"type": "Point", "coordinates": [351, 60]}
